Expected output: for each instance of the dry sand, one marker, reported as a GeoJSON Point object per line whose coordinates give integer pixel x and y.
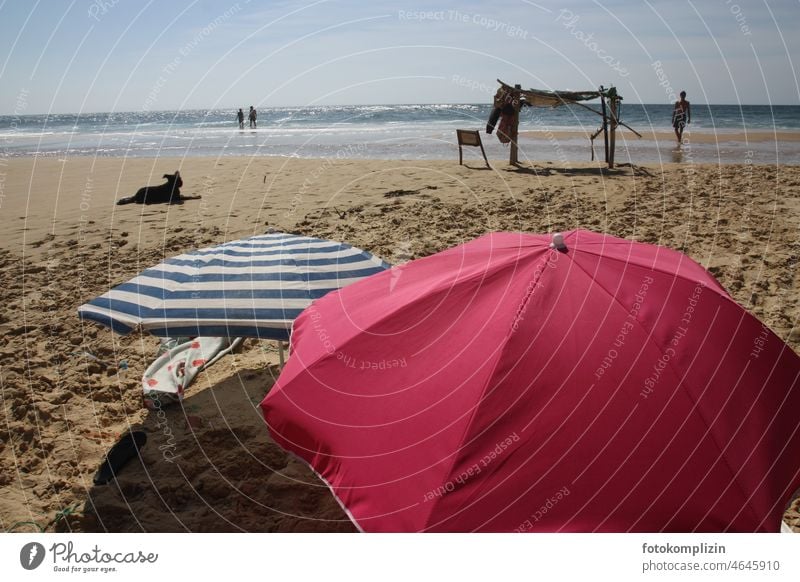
{"type": "Point", "coordinates": [70, 389]}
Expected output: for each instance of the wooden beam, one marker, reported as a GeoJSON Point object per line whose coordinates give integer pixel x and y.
{"type": "Point", "coordinates": [605, 121]}
{"type": "Point", "coordinates": [612, 142]}
{"type": "Point", "coordinates": [514, 156]}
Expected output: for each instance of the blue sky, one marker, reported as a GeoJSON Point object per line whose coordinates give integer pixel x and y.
{"type": "Point", "coordinates": [131, 55]}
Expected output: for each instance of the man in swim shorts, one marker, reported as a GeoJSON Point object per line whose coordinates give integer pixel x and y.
{"type": "Point", "coordinates": [681, 116]}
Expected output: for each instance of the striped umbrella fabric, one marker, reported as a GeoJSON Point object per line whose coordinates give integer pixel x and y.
{"type": "Point", "coordinates": [254, 287]}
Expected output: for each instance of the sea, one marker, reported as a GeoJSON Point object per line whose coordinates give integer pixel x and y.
{"type": "Point", "coordinates": [405, 132]}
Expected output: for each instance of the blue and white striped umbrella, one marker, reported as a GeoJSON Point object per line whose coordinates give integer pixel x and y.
{"type": "Point", "coordinates": [253, 287]}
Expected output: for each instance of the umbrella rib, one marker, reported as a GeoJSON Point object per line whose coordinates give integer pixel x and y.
{"type": "Point", "coordinates": [508, 337]}
{"type": "Point", "coordinates": [772, 420]}
{"type": "Point", "coordinates": [498, 357]}
{"type": "Point", "coordinates": [681, 378]}
{"type": "Point", "coordinates": [710, 432]}
{"type": "Point", "coordinates": [718, 288]}
{"type": "Point", "coordinates": [619, 304]}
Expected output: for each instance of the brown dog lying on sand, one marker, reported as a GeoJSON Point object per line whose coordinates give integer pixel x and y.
{"type": "Point", "coordinates": [169, 193]}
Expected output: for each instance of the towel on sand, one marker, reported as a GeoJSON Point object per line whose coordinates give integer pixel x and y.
{"type": "Point", "coordinates": [173, 371]}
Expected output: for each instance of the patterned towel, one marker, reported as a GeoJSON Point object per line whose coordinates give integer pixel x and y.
{"type": "Point", "coordinates": [171, 373]}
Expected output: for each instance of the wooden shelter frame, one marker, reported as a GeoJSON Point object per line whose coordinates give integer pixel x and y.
{"type": "Point", "coordinates": [609, 104]}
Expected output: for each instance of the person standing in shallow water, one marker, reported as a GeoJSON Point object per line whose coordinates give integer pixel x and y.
{"type": "Point", "coordinates": [681, 116]}
{"type": "Point", "coordinates": [240, 116]}
{"type": "Point", "coordinates": [252, 117]}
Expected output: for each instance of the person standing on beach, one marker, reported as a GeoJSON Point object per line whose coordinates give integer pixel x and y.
{"type": "Point", "coordinates": [252, 117]}
{"type": "Point", "coordinates": [240, 116]}
{"type": "Point", "coordinates": [681, 116]}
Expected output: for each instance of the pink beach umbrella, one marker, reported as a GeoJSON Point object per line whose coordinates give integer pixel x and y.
{"type": "Point", "coordinates": [520, 382]}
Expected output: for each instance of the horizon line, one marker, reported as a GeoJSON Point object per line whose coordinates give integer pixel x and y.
{"type": "Point", "coordinates": [235, 108]}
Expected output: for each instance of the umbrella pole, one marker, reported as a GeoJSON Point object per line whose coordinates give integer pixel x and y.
{"type": "Point", "coordinates": [281, 354]}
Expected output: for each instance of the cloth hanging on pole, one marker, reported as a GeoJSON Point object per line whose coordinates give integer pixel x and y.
{"type": "Point", "coordinates": [538, 98]}
{"type": "Point", "coordinates": [505, 106]}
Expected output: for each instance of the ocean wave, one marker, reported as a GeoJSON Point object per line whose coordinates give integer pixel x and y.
{"type": "Point", "coordinates": [383, 130]}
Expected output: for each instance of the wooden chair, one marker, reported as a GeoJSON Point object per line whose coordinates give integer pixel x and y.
{"type": "Point", "coordinates": [468, 137]}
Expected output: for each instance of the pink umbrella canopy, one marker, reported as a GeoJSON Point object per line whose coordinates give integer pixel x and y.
{"type": "Point", "coordinates": [543, 383]}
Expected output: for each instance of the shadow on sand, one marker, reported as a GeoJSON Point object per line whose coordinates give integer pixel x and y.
{"type": "Point", "coordinates": [210, 466]}
{"type": "Point", "coordinates": [624, 170]}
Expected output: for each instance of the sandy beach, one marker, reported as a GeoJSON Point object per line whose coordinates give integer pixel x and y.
{"type": "Point", "coordinates": [70, 389]}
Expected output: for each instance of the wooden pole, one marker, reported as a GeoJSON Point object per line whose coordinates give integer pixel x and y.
{"type": "Point", "coordinates": [514, 157]}
{"type": "Point", "coordinates": [605, 120]}
{"type": "Point", "coordinates": [612, 103]}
